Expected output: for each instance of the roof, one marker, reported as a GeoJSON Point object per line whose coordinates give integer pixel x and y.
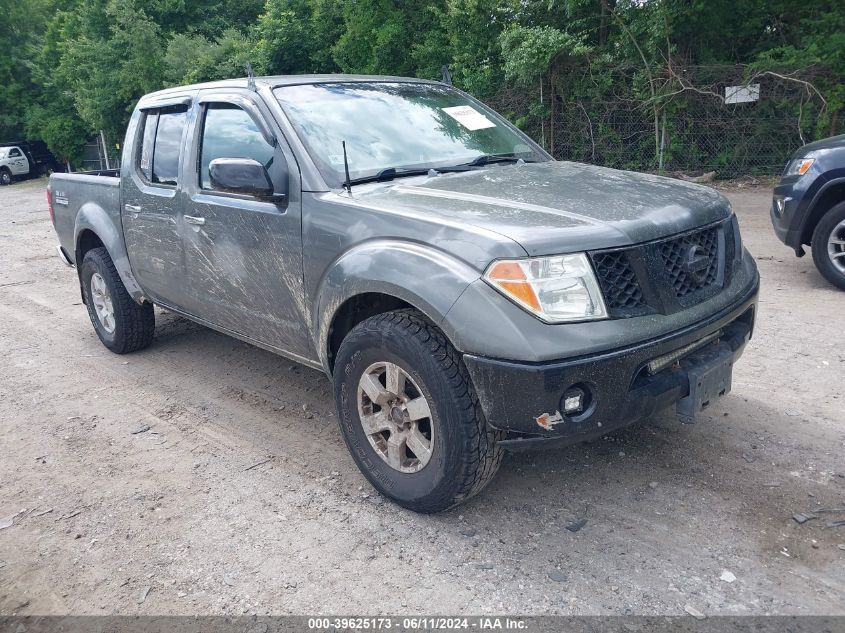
{"type": "Point", "coordinates": [274, 81]}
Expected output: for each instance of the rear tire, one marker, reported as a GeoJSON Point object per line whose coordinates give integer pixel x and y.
{"type": "Point", "coordinates": [828, 246]}
{"type": "Point", "coordinates": [454, 454]}
{"type": "Point", "coordinates": [121, 324]}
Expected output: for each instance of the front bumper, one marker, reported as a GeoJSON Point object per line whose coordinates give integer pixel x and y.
{"type": "Point", "coordinates": [786, 218]}
{"type": "Point", "coordinates": [526, 399]}
{"type": "Point", "coordinates": [792, 202]}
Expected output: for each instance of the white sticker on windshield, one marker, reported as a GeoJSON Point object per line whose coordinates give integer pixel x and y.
{"type": "Point", "coordinates": [469, 117]}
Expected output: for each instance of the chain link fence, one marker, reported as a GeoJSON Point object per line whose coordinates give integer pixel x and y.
{"type": "Point", "coordinates": [726, 119]}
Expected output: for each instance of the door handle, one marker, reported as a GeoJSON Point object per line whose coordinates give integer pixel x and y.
{"type": "Point", "coordinates": [192, 219]}
{"type": "Point", "coordinates": [131, 208]}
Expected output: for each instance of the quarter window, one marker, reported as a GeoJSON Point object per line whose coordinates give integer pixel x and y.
{"type": "Point", "coordinates": [161, 145]}
{"type": "Point", "coordinates": [229, 132]}
{"type": "Point", "coordinates": [145, 162]}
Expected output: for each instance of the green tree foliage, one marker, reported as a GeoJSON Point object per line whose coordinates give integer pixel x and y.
{"type": "Point", "coordinates": [51, 113]}
{"type": "Point", "coordinates": [820, 42]}
{"type": "Point", "coordinates": [285, 34]}
{"type": "Point", "coordinates": [473, 28]}
{"type": "Point", "coordinates": [529, 51]}
{"type": "Point", "coordinates": [113, 56]}
{"type": "Point", "coordinates": [71, 67]}
{"type": "Point", "coordinates": [380, 36]}
{"type": "Point", "coordinates": [18, 43]}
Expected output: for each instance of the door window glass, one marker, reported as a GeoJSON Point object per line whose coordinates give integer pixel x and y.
{"type": "Point", "coordinates": [161, 145]}
{"type": "Point", "coordinates": [229, 132]}
{"type": "Point", "coordinates": [145, 160]}
{"type": "Point", "coordinates": [15, 152]}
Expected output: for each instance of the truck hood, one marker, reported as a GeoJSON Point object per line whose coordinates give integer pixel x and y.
{"type": "Point", "coordinates": [556, 207]}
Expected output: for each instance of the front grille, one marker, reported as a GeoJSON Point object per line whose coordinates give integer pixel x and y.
{"type": "Point", "coordinates": [618, 281]}
{"type": "Point", "coordinates": [668, 275]}
{"type": "Point", "coordinates": [674, 254]}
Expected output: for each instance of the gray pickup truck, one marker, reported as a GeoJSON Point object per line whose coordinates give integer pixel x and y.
{"type": "Point", "coordinates": [465, 292]}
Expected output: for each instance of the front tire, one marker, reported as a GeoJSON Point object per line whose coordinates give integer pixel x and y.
{"type": "Point", "coordinates": [409, 414]}
{"type": "Point", "coordinates": [829, 246]}
{"type": "Point", "coordinates": [121, 324]}
{"type": "Point", "coordinates": [5, 177]}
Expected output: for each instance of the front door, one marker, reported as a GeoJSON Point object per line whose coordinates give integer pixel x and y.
{"type": "Point", "coordinates": [151, 206]}
{"type": "Point", "coordinates": [18, 163]}
{"type": "Point", "coordinates": [243, 255]}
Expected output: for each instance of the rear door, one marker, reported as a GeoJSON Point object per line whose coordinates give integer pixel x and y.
{"type": "Point", "coordinates": [244, 255]}
{"type": "Point", "coordinates": [151, 205]}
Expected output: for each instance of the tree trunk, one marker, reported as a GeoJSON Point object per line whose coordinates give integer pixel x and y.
{"type": "Point", "coordinates": [604, 22]}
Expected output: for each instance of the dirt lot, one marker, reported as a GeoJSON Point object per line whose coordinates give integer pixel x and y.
{"type": "Point", "coordinates": [241, 498]}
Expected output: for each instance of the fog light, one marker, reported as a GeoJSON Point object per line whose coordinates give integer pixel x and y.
{"type": "Point", "coordinates": [573, 400]}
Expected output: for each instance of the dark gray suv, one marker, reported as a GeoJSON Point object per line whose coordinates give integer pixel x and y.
{"type": "Point", "coordinates": [808, 207]}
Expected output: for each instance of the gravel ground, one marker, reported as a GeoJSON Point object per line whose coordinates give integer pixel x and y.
{"type": "Point", "coordinates": [240, 496]}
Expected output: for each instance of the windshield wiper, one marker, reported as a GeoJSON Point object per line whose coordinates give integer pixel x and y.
{"type": "Point", "coordinates": [389, 173]}
{"type": "Point", "coordinates": [486, 159]}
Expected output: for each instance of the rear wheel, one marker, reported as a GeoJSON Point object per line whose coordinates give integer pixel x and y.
{"type": "Point", "coordinates": [829, 246]}
{"type": "Point", "coordinates": [5, 177]}
{"type": "Point", "coordinates": [409, 413]}
{"type": "Point", "coordinates": [121, 324]}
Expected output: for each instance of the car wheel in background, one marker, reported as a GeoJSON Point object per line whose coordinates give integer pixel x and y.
{"type": "Point", "coordinates": [409, 414]}
{"type": "Point", "coordinates": [121, 324]}
{"type": "Point", "coordinates": [829, 246]}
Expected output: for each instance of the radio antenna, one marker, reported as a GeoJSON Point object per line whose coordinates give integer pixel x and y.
{"type": "Point", "coordinates": [250, 77]}
{"type": "Point", "coordinates": [348, 183]}
{"type": "Point", "coordinates": [445, 75]}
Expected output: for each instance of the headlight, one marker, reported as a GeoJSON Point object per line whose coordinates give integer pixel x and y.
{"type": "Point", "coordinates": [556, 289]}
{"type": "Point", "coordinates": [798, 166]}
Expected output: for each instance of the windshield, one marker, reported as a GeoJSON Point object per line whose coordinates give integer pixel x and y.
{"type": "Point", "coordinates": [3, 152]}
{"type": "Point", "coordinates": [396, 125]}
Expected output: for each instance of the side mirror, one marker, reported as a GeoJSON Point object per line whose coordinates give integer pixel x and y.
{"type": "Point", "coordinates": [241, 175]}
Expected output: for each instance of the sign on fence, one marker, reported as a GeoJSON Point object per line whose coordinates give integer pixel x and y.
{"type": "Point", "coordinates": [742, 94]}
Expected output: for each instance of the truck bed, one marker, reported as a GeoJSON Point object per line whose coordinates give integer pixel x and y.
{"type": "Point", "coordinates": [96, 194]}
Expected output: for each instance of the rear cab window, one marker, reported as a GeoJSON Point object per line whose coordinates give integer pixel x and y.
{"type": "Point", "coordinates": [161, 145]}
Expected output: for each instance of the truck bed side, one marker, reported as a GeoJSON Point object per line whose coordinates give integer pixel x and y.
{"type": "Point", "coordinates": [87, 214]}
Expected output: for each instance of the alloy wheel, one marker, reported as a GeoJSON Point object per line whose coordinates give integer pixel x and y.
{"type": "Point", "coordinates": [102, 302]}
{"type": "Point", "coordinates": [836, 247]}
{"type": "Point", "coordinates": [396, 417]}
